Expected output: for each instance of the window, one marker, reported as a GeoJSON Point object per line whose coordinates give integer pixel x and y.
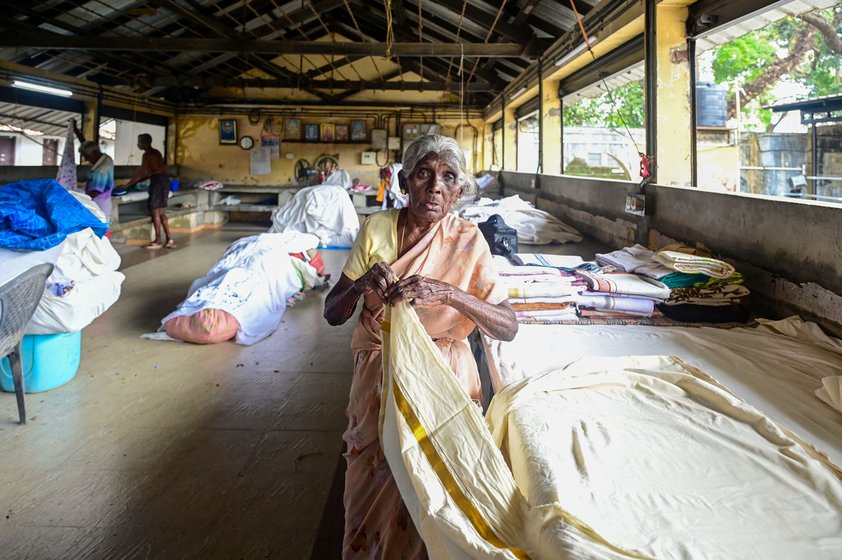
{"type": "Point", "coordinates": [769, 106]}
{"type": "Point", "coordinates": [119, 139]}
{"type": "Point", "coordinates": [33, 136]}
{"type": "Point", "coordinates": [497, 146]}
{"type": "Point", "coordinates": [528, 143]}
{"type": "Point", "coordinates": [602, 138]}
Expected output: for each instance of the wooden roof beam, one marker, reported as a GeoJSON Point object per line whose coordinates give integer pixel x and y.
{"type": "Point", "coordinates": [54, 41]}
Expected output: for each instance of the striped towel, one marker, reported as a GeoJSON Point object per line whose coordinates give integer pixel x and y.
{"type": "Point", "coordinates": [694, 264]}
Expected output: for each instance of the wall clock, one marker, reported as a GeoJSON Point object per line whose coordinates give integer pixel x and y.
{"type": "Point", "coordinates": [246, 142]}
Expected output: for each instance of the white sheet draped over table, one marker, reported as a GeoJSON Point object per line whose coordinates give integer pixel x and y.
{"type": "Point", "coordinates": [324, 210]}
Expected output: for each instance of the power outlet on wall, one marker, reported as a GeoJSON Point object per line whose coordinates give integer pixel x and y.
{"type": "Point", "coordinates": [639, 204]}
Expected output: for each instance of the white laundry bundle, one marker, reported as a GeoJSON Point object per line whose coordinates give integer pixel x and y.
{"type": "Point", "coordinates": [83, 285]}
{"type": "Point", "coordinates": [324, 210]}
{"type": "Point", "coordinates": [252, 281]}
{"type": "Point", "coordinates": [533, 226]}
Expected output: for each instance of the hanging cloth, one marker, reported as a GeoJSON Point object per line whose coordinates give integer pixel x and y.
{"type": "Point", "coordinates": [67, 170]}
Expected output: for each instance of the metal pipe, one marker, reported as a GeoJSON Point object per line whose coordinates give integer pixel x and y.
{"type": "Point", "coordinates": [694, 156]}
{"type": "Point", "coordinates": [650, 42]}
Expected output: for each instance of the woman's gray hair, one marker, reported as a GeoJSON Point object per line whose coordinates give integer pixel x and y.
{"type": "Point", "coordinates": [447, 149]}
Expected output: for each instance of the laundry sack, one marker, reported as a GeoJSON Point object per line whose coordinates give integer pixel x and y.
{"type": "Point", "coordinates": [452, 477]}
{"type": "Point", "coordinates": [208, 326]}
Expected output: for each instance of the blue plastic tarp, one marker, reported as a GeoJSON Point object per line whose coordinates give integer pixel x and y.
{"type": "Point", "coordinates": [38, 214]}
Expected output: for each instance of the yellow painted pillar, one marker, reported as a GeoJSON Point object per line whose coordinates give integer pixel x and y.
{"type": "Point", "coordinates": [551, 129]}
{"type": "Point", "coordinates": [510, 140]}
{"type": "Point", "coordinates": [487, 137]}
{"type": "Point", "coordinates": [674, 117]}
{"type": "Point", "coordinates": [89, 126]}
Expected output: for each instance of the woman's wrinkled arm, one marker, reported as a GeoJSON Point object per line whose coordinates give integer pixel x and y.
{"type": "Point", "coordinates": [495, 320]}
{"type": "Point", "coordinates": [341, 302]}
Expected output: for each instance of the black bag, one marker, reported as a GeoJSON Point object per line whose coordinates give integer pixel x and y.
{"type": "Point", "coordinates": [501, 238]}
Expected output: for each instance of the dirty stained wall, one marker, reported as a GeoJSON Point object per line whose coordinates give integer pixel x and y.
{"type": "Point", "coordinates": [200, 156]}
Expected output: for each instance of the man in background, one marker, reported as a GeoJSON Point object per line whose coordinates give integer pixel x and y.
{"type": "Point", "coordinates": [152, 167]}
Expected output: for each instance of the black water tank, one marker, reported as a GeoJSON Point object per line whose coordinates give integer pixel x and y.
{"type": "Point", "coordinates": [711, 104]}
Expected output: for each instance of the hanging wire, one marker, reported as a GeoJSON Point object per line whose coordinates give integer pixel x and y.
{"type": "Point", "coordinates": [602, 79]}
{"type": "Point", "coordinates": [420, 38]}
{"type": "Point", "coordinates": [458, 31]}
{"type": "Point", "coordinates": [390, 33]}
{"type": "Point", "coordinates": [488, 36]}
{"type": "Point", "coordinates": [357, 27]}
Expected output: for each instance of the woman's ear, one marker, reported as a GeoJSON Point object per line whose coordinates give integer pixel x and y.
{"type": "Point", "coordinates": [403, 181]}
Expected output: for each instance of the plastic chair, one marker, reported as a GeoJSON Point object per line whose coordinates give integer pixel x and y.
{"type": "Point", "coordinates": [18, 300]}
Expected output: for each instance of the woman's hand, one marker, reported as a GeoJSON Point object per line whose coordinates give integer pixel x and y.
{"type": "Point", "coordinates": [420, 292]}
{"type": "Point", "coordinates": [379, 280]}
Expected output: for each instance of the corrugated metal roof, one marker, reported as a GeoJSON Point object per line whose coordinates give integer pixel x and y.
{"type": "Point", "coordinates": [46, 121]}
{"type": "Point", "coordinates": [759, 20]}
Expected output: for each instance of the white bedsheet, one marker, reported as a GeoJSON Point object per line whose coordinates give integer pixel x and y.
{"type": "Point", "coordinates": [656, 459]}
{"type": "Point", "coordinates": [776, 367]}
{"type": "Point", "coordinates": [533, 226]}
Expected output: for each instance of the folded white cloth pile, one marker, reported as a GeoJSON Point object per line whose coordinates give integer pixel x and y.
{"type": "Point", "coordinates": [637, 259]}
{"type": "Point", "coordinates": [533, 226]}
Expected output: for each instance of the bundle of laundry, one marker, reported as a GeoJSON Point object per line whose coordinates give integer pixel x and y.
{"type": "Point", "coordinates": [533, 226]}
{"type": "Point", "coordinates": [729, 303]}
{"type": "Point", "coordinates": [324, 210]}
{"type": "Point", "coordinates": [694, 264]}
{"type": "Point", "coordinates": [40, 213]}
{"type": "Point", "coordinates": [339, 178]}
{"type": "Point", "coordinates": [246, 292]}
{"type": "Point", "coordinates": [43, 222]}
{"type": "Point", "coordinates": [539, 293]}
{"type": "Point", "coordinates": [619, 295]}
{"type": "Point", "coordinates": [637, 259]}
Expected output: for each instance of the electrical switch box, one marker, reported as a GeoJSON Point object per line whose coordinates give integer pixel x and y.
{"type": "Point", "coordinates": [369, 158]}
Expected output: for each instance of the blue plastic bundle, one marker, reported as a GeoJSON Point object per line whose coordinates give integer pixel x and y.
{"type": "Point", "coordinates": [38, 214]}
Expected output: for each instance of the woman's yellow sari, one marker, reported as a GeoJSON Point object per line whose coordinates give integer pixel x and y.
{"type": "Point", "coordinates": [454, 251]}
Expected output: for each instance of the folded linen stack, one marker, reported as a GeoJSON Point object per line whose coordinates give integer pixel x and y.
{"type": "Point", "coordinates": [728, 303]}
{"type": "Point", "coordinates": [539, 293]}
{"type": "Point", "coordinates": [694, 264]}
{"type": "Point", "coordinates": [619, 295]}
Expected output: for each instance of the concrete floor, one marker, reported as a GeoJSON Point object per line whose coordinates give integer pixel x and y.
{"type": "Point", "coordinates": [169, 450]}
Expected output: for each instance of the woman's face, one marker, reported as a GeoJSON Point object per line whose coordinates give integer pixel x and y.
{"type": "Point", "coordinates": [433, 187]}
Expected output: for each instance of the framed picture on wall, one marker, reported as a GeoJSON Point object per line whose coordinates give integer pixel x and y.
{"type": "Point", "coordinates": [227, 131]}
{"type": "Point", "coordinates": [328, 133]}
{"type": "Point", "coordinates": [311, 132]}
{"type": "Point", "coordinates": [358, 131]}
{"type": "Point", "coordinates": [341, 133]}
{"type": "Point", "coordinates": [292, 129]}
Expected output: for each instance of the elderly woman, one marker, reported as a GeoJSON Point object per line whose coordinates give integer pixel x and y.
{"type": "Point", "coordinates": [441, 264]}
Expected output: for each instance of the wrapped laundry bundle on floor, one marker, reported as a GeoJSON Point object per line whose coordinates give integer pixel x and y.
{"type": "Point", "coordinates": [324, 210]}
{"type": "Point", "coordinates": [246, 292]}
